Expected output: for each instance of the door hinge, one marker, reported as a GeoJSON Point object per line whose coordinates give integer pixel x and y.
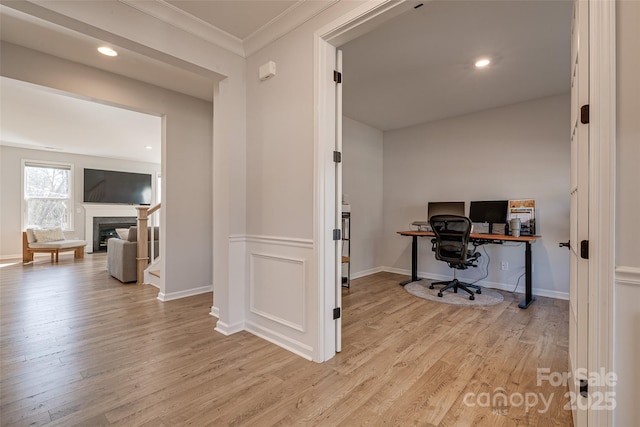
{"type": "Point", "coordinates": [584, 249]}
{"type": "Point", "coordinates": [584, 114]}
{"type": "Point", "coordinates": [336, 313]}
{"type": "Point", "coordinates": [337, 234]}
{"type": "Point", "coordinates": [337, 76]}
{"type": "Point", "coordinates": [337, 156]}
{"type": "Point", "coordinates": [584, 388]}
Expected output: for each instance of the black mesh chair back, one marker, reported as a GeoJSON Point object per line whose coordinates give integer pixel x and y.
{"type": "Point", "coordinates": [452, 238]}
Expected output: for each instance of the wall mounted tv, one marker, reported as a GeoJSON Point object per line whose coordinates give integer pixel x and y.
{"type": "Point", "coordinates": [102, 186]}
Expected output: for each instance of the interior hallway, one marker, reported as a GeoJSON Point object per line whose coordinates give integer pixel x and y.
{"type": "Point", "coordinates": [80, 348]}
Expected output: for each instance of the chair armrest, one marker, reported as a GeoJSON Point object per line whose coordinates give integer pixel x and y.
{"type": "Point", "coordinates": [121, 259]}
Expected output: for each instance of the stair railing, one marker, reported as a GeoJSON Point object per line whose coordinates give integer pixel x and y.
{"type": "Point", "coordinates": [142, 258]}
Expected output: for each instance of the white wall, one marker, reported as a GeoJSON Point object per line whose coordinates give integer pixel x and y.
{"type": "Point", "coordinates": [362, 189]}
{"type": "Point", "coordinates": [11, 192]}
{"type": "Point", "coordinates": [127, 26]}
{"type": "Point", "coordinates": [280, 197]}
{"type": "Point", "coordinates": [627, 288]}
{"type": "Point", "coordinates": [186, 156]}
{"type": "Point", "coordinates": [280, 189]}
{"type": "Point", "coordinates": [514, 152]}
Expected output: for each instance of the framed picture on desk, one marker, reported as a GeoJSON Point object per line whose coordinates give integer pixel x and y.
{"type": "Point", "coordinates": [524, 209]}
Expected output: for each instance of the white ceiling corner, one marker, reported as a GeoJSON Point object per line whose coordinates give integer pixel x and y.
{"type": "Point", "coordinates": [208, 20]}
{"type": "Point", "coordinates": [296, 15]}
{"type": "Point", "coordinates": [184, 21]}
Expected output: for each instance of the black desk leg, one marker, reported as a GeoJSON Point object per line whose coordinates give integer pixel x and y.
{"type": "Point", "coordinates": [414, 261]}
{"type": "Point", "coordinates": [528, 297]}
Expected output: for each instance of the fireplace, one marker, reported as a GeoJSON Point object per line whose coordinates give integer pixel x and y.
{"type": "Point", "coordinates": [104, 228]}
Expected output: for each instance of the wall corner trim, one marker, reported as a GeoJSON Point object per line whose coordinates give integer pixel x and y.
{"type": "Point", "coordinates": [628, 275]}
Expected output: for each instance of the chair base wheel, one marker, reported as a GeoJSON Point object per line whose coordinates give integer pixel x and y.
{"type": "Point", "coordinates": [479, 291]}
{"type": "Point", "coordinates": [471, 297]}
{"type": "Point", "coordinates": [431, 287]}
{"type": "Point", "coordinates": [440, 294]}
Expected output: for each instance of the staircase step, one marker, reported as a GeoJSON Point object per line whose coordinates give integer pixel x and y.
{"type": "Point", "coordinates": [155, 273]}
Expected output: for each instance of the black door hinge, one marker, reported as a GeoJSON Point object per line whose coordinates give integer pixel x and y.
{"type": "Point", "coordinates": [584, 388]}
{"type": "Point", "coordinates": [337, 234]}
{"type": "Point", "coordinates": [337, 156]}
{"type": "Point", "coordinates": [584, 114]}
{"type": "Point", "coordinates": [336, 313]}
{"type": "Point", "coordinates": [337, 76]}
{"type": "Point", "coordinates": [584, 249]}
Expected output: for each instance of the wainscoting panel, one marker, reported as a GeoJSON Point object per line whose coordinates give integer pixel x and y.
{"type": "Point", "coordinates": [281, 296]}
{"type": "Point", "coordinates": [627, 344]}
{"type": "Point", "coordinates": [272, 277]}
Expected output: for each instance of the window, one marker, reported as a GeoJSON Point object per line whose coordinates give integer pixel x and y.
{"type": "Point", "coordinates": [47, 194]}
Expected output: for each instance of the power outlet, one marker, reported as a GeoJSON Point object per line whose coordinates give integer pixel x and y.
{"type": "Point", "coordinates": [504, 265]}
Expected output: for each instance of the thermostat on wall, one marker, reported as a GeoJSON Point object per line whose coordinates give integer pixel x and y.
{"type": "Point", "coordinates": [267, 70]}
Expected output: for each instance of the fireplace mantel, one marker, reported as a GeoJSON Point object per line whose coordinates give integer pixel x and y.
{"type": "Point", "coordinates": [92, 210]}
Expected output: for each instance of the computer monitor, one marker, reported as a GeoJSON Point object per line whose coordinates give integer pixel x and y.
{"type": "Point", "coordinates": [445, 208]}
{"type": "Point", "coordinates": [490, 211]}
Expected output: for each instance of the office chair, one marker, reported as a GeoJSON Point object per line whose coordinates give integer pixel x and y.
{"type": "Point", "coordinates": [452, 237]}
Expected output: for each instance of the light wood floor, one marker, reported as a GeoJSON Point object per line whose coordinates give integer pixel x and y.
{"type": "Point", "coordinates": [80, 348]}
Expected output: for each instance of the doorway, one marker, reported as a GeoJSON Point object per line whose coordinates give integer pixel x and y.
{"type": "Point", "coordinates": [413, 186]}
{"type": "Point", "coordinates": [602, 142]}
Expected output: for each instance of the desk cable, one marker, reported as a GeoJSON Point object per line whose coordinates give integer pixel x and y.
{"type": "Point", "coordinates": [518, 283]}
{"type": "Point", "coordinates": [486, 274]}
{"type": "Point", "coordinates": [522, 275]}
{"type": "Point", "coordinates": [476, 245]}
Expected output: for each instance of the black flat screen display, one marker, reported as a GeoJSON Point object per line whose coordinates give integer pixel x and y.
{"type": "Point", "coordinates": [103, 186]}
{"type": "Point", "coordinates": [492, 211]}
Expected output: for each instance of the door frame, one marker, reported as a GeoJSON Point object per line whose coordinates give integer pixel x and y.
{"type": "Point", "coordinates": [602, 175]}
{"type": "Point", "coordinates": [347, 27]}
{"type": "Point", "coordinates": [602, 134]}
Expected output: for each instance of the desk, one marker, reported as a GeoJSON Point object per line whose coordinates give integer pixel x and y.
{"type": "Point", "coordinates": [488, 238]}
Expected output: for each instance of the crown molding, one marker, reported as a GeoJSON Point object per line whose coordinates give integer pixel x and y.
{"type": "Point", "coordinates": [177, 18]}
{"type": "Point", "coordinates": [296, 15]}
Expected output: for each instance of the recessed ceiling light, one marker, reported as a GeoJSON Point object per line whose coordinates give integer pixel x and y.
{"type": "Point", "coordinates": [482, 63]}
{"type": "Point", "coordinates": [107, 51]}
{"type": "Point", "coordinates": [148, 147]}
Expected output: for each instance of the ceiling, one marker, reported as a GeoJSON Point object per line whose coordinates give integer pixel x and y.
{"type": "Point", "coordinates": [38, 118]}
{"type": "Point", "coordinates": [419, 66]}
{"type": "Point", "coordinates": [416, 67]}
{"type": "Point", "coordinates": [241, 19]}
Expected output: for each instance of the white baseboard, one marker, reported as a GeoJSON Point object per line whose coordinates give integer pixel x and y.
{"type": "Point", "coordinates": [368, 272]}
{"type": "Point", "coordinates": [226, 329]}
{"type": "Point", "coordinates": [215, 312]}
{"type": "Point", "coordinates": [280, 340]}
{"type": "Point", "coordinates": [493, 285]}
{"type": "Point", "coordinates": [183, 294]}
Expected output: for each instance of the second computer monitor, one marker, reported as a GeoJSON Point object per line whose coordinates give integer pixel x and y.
{"type": "Point", "coordinates": [489, 211]}
{"type": "Point", "coordinates": [445, 208]}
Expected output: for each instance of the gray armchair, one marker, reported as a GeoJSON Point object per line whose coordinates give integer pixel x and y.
{"type": "Point", "coordinates": [121, 254]}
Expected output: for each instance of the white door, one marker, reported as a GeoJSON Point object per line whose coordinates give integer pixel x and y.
{"type": "Point", "coordinates": [328, 198]}
{"type": "Point", "coordinates": [579, 216]}
{"type": "Point", "coordinates": [338, 198]}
